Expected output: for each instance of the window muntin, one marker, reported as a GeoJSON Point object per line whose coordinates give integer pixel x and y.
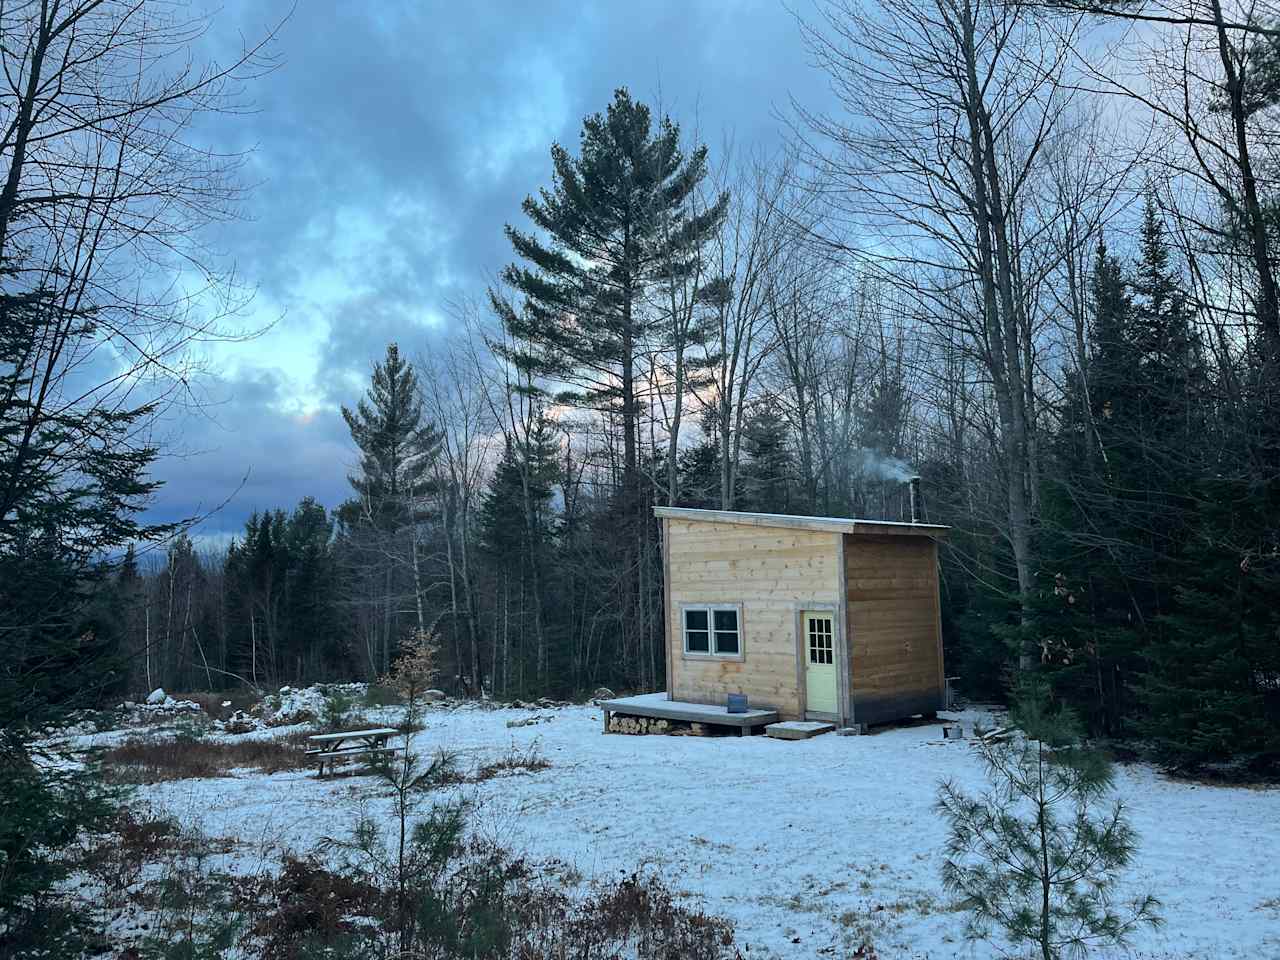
{"type": "Point", "coordinates": [713, 630]}
{"type": "Point", "coordinates": [821, 645]}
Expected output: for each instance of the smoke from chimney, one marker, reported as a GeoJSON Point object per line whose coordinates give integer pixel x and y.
{"type": "Point", "coordinates": [872, 463]}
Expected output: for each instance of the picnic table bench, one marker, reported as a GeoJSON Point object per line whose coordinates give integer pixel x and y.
{"type": "Point", "coordinates": [332, 748]}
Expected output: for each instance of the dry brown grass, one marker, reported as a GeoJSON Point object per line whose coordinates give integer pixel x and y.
{"type": "Point", "coordinates": [153, 761]}
{"type": "Point", "coordinates": [514, 760]}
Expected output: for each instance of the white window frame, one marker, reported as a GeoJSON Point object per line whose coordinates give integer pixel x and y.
{"type": "Point", "coordinates": [711, 653]}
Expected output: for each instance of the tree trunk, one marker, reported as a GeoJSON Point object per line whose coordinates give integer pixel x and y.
{"type": "Point", "coordinates": [1269, 301]}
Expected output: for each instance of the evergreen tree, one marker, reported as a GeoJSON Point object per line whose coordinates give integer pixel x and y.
{"type": "Point", "coordinates": [396, 442]}
{"type": "Point", "coordinates": [699, 471]}
{"type": "Point", "coordinates": [1117, 509]}
{"type": "Point", "coordinates": [699, 466]}
{"type": "Point", "coordinates": [1034, 857]}
{"type": "Point", "coordinates": [517, 539]}
{"type": "Point", "coordinates": [73, 480]}
{"type": "Point", "coordinates": [622, 225]}
{"type": "Point", "coordinates": [1210, 701]}
{"type": "Point", "coordinates": [1081, 616]}
{"type": "Point", "coordinates": [314, 619]}
{"type": "Point", "coordinates": [620, 219]}
{"type": "Point", "coordinates": [768, 469]}
{"type": "Point", "coordinates": [397, 447]}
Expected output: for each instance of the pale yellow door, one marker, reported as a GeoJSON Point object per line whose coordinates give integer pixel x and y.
{"type": "Point", "coordinates": [820, 662]}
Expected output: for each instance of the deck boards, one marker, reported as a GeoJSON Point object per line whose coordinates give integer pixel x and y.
{"type": "Point", "coordinates": [657, 705]}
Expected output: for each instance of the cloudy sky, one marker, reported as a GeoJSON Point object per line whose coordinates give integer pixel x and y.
{"type": "Point", "coordinates": [389, 148]}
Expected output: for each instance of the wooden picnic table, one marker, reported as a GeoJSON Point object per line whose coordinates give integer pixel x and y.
{"type": "Point", "coordinates": [334, 747]}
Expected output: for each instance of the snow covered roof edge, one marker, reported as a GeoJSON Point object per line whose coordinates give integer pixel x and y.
{"type": "Point", "coordinates": [827, 524]}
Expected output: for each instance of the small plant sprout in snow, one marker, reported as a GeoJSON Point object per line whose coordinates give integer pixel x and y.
{"type": "Point", "coordinates": [1035, 857]}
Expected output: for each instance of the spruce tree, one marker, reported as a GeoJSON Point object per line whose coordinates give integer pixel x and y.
{"type": "Point", "coordinates": [397, 447]}
{"type": "Point", "coordinates": [517, 539]}
{"type": "Point", "coordinates": [73, 481]}
{"type": "Point", "coordinates": [396, 441]}
{"type": "Point", "coordinates": [699, 471]}
{"type": "Point", "coordinates": [515, 512]}
{"type": "Point", "coordinates": [769, 467]}
{"type": "Point", "coordinates": [1118, 508]}
{"type": "Point", "coordinates": [1081, 615]}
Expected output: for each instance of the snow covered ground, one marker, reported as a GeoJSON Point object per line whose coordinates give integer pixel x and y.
{"type": "Point", "coordinates": [810, 847]}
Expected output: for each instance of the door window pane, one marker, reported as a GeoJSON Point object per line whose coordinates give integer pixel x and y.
{"type": "Point", "coordinates": [821, 647]}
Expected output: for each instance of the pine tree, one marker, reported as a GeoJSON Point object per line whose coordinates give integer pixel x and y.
{"type": "Point", "coordinates": [1035, 857]}
{"type": "Point", "coordinates": [621, 224]}
{"type": "Point", "coordinates": [621, 221]}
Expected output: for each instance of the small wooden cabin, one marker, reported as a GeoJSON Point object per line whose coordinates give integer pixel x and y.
{"type": "Point", "coordinates": [817, 618]}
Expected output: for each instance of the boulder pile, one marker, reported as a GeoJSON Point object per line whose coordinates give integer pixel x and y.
{"type": "Point", "coordinates": [158, 706]}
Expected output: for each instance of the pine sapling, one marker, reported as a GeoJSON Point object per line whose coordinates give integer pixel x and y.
{"type": "Point", "coordinates": [1035, 857]}
{"type": "Point", "coordinates": [418, 852]}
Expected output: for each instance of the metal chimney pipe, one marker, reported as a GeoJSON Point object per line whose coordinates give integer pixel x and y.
{"type": "Point", "coordinates": [914, 484]}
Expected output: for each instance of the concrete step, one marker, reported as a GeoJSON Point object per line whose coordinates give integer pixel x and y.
{"type": "Point", "coordinates": [798, 729]}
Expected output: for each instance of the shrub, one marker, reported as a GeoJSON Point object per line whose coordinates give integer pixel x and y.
{"type": "Point", "coordinates": [310, 911]}
{"type": "Point", "coordinates": [133, 838]}
{"type": "Point", "coordinates": [43, 809]}
{"type": "Point", "coordinates": [338, 711]}
{"type": "Point", "coordinates": [641, 914]}
{"type": "Point", "coordinates": [380, 695]}
{"type": "Point", "coordinates": [189, 728]}
{"type": "Point", "coordinates": [475, 900]}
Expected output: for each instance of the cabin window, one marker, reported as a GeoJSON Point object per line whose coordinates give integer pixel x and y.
{"type": "Point", "coordinates": [726, 639]}
{"type": "Point", "coordinates": [713, 631]}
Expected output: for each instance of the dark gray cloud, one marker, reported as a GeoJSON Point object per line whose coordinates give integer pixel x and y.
{"type": "Point", "coordinates": [390, 147]}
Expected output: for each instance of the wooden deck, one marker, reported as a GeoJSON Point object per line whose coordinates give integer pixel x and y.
{"type": "Point", "coordinates": [658, 706]}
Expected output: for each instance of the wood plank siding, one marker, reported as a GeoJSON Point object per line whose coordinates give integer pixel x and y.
{"type": "Point", "coordinates": [892, 618]}
{"type": "Point", "coordinates": [769, 572]}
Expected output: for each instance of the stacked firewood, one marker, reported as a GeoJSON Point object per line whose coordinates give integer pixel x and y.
{"type": "Point", "coordinates": [619, 723]}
